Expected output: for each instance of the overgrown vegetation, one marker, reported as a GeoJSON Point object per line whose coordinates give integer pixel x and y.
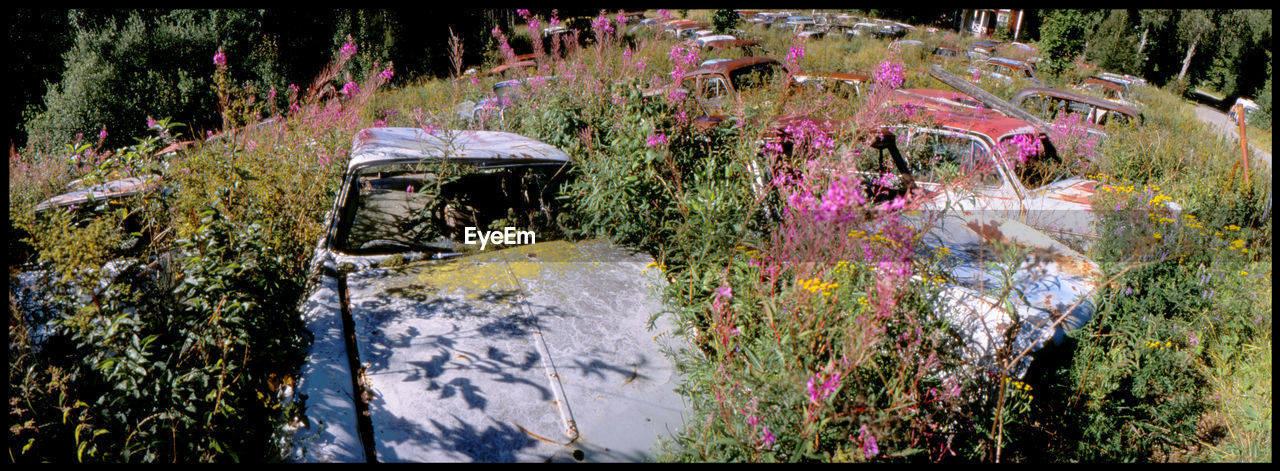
{"type": "Point", "coordinates": [816, 339]}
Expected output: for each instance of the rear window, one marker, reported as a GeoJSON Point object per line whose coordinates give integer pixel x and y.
{"type": "Point", "coordinates": [427, 207]}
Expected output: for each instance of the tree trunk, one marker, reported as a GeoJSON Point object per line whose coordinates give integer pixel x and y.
{"type": "Point", "coordinates": [1142, 43]}
{"type": "Point", "coordinates": [1186, 63]}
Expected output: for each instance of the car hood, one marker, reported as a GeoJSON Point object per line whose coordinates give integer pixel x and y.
{"type": "Point", "coordinates": [1051, 285]}
{"type": "Point", "coordinates": [532, 353]}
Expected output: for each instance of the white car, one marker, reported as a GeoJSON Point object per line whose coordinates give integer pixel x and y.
{"type": "Point", "coordinates": [427, 348]}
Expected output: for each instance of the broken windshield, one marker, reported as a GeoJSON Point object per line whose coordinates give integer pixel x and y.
{"type": "Point", "coordinates": [433, 206]}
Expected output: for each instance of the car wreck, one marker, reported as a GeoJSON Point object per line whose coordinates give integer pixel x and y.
{"type": "Point", "coordinates": [1098, 114]}
{"type": "Point", "coordinates": [1009, 167]}
{"type": "Point", "coordinates": [427, 348]}
{"type": "Point", "coordinates": [1002, 313]}
{"type": "Point", "coordinates": [1006, 70]}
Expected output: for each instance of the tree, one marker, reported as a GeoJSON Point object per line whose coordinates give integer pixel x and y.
{"type": "Point", "coordinates": [1113, 44]}
{"type": "Point", "coordinates": [1194, 26]}
{"type": "Point", "coordinates": [724, 21]}
{"type": "Point", "coordinates": [1062, 39]}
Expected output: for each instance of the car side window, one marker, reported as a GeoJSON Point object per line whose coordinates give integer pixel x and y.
{"type": "Point", "coordinates": [942, 158]}
{"type": "Point", "coordinates": [714, 89]}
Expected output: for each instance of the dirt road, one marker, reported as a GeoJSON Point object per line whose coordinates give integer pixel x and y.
{"type": "Point", "coordinates": [1223, 124]}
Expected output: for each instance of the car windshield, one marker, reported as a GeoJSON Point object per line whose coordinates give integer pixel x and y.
{"type": "Point", "coordinates": [1035, 160]}
{"type": "Point", "coordinates": [431, 206]}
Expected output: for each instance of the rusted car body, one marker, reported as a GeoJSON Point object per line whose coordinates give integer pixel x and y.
{"type": "Point", "coordinates": [1111, 90]}
{"type": "Point", "coordinates": [1047, 103]}
{"type": "Point", "coordinates": [1050, 289]}
{"type": "Point", "coordinates": [1006, 70]}
{"type": "Point", "coordinates": [716, 85]}
{"type": "Point", "coordinates": [506, 94]}
{"type": "Point", "coordinates": [427, 349]}
{"type": "Point", "coordinates": [945, 54]}
{"type": "Point", "coordinates": [976, 145]}
{"type": "Point", "coordinates": [848, 85]}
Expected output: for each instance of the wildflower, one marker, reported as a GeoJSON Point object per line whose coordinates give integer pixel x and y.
{"type": "Point", "coordinates": [350, 89]}
{"type": "Point", "coordinates": [821, 391]}
{"type": "Point", "coordinates": [656, 140]}
{"type": "Point", "coordinates": [753, 420]}
{"type": "Point", "coordinates": [890, 74]}
{"type": "Point", "coordinates": [220, 59]}
{"type": "Point", "coordinates": [724, 292]}
{"type": "Point", "coordinates": [869, 447]}
{"type": "Point", "coordinates": [387, 73]}
{"type": "Point", "coordinates": [409, 189]}
{"type": "Point", "coordinates": [151, 122]}
{"type": "Point", "coordinates": [102, 135]}
{"type": "Point", "coordinates": [523, 13]}
{"type": "Point", "coordinates": [1192, 339]}
{"type": "Point", "coordinates": [348, 49]}
{"type": "Point", "coordinates": [767, 436]}
{"type": "Point", "coordinates": [1157, 236]}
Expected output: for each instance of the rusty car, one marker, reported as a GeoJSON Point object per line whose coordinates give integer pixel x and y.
{"type": "Point", "coordinates": [1108, 89]}
{"type": "Point", "coordinates": [1097, 113]}
{"type": "Point", "coordinates": [843, 84]}
{"type": "Point", "coordinates": [1034, 187]}
{"type": "Point", "coordinates": [1006, 70]}
{"type": "Point", "coordinates": [430, 348]}
{"type": "Point", "coordinates": [715, 85]}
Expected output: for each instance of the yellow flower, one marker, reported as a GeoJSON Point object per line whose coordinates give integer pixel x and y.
{"type": "Point", "coordinates": [1242, 272]}
{"type": "Point", "coordinates": [1157, 236]}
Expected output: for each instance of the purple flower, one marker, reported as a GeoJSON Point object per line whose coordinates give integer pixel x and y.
{"type": "Point", "coordinates": [869, 447]}
{"type": "Point", "coordinates": [387, 73]}
{"type": "Point", "coordinates": [890, 74]}
{"type": "Point", "coordinates": [348, 49]}
{"type": "Point", "coordinates": [724, 292]}
{"type": "Point", "coordinates": [409, 189]}
{"type": "Point", "coordinates": [656, 140]}
{"type": "Point", "coordinates": [523, 13]}
{"type": "Point", "coordinates": [1192, 339]}
{"type": "Point", "coordinates": [220, 59]}
{"type": "Point", "coordinates": [151, 123]}
{"type": "Point", "coordinates": [103, 133]}
{"type": "Point", "coordinates": [350, 89]}
{"type": "Point", "coordinates": [767, 436]}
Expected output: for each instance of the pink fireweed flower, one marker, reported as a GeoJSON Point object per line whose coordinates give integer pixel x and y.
{"type": "Point", "coordinates": [868, 440]}
{"type": "Point", "coordinates": [349, 48]}
{"type": "Point", "coordinates": [523, 13]}
{"type": "Point", "coordinates": [409, 189]}
{"type": "Point", "coordinates": [475, 80]}
{"type": "Point", "coordinates": [890, 74]}
{"type": "Point", "coordinates": [795, 53]}
{"type": "Point", "coordinates": [601, 25]}
{"type": "Point", "coordinates": [767, 437]}
{"type": "Point", "coordinates": [380, 123]}
{"type": "Point", "coordinates": [496, 32]}
{"type": "Point", "coordinates": [220, 59]}
{"type": "Point", "coordinates": [819, 389]}
{"type": "Point", "coordinates": [102, 135]}
{"type": "Point", "coordinates": [151, 122]}
{"type": "Point", "coordinates": [724, 292]}
{"type": "Point", "coordinates": [1022, 146]}
{"type": "Point", "coordinates": [621, 19]}
{"type": "Point", "coordinates": [271, 94]}
{"type": "Point", "coordinates": [350, 89]}
{"type": "Point", "coordinates": [387, 73]}
{"type": "Point", "coordinates": [664, 14]}
{"type": "Point", "coordinates": [656, 140]}
{"type": "Point", "coordinates": [977, 75]}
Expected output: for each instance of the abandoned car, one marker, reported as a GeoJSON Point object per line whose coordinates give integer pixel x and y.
{"type": "Point", "coordinates": [430, 348]}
